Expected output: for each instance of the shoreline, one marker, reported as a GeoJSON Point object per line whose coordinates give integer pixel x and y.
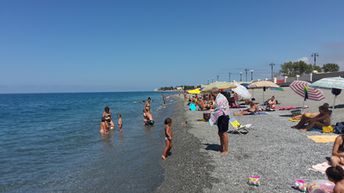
{"type": "Point", "coordinates": [187, 169]}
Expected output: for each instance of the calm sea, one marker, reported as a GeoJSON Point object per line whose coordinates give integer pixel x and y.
{"type": "Point", "coordinates": [51, 143]}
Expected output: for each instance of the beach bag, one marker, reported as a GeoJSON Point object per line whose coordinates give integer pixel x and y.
{"type": "Point", "coordinates": [327, 129]}
{"type": "Point", "coordinates": [339, 128]}
{"type": "Point", "coordinates": [206, 116]}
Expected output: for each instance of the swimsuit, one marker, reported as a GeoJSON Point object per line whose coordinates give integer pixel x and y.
{"type": "Point", "coordinates": [341, 147]}
{"type": "Point", "coordinates": [108, 117]}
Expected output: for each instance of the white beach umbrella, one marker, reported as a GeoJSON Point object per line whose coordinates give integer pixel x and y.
{"type": "Point", "coordinates": [334, 83]}
{"type": "Point", "coordinates": [241, 91]}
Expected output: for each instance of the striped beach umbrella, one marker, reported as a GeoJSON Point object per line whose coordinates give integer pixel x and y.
{"type": "Point", "coordinates": [303, 89]}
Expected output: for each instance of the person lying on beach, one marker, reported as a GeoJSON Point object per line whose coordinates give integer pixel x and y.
{"type": "Point", "coordinates": [271, 104]}
{"type": "Point", "coordinates": [336, 175]}
{"type": "Point", "coordinates": [250, 111]}
{"type": "Point", "coordinates": [168, 138]}
{"type": "Point", "coordinates": [120, 121]}
{"type": "Point", "coordinates": [337, 157]}
{"type": "Point", "coordinates": [322, 119]}
{"type": "Point", "coordinates": [148, 117]}
{"type": "Point", "coordinates": [104, 127]}
{"type": "Point", "coordinates": [107, 117]}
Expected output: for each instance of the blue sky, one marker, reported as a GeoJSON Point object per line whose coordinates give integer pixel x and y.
{"type": "Point", "coordinates": [71, 45]}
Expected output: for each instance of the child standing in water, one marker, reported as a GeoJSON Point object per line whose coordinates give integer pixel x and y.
{"type": "Point", "coordinates": [120, 122]}
{"type": "Point", "coordinates": [168, 138]}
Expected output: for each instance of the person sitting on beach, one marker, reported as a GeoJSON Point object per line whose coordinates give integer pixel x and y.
{"type": "Point", "coordinates": [148, 117]}
{"type": "Point", "coordinates": [233, 100]}
{"type": "Point", "coordinates": [168, 138]}
{"type": "Point", "coordinates": [250, 111]}
{"type": "Point", "coordinates": [120, 121]}
{"type": "Point", "coordinates": [104, 127]}
{"type": "Point", "coordinates": [336, 175]}
{"type": "Point", "coordinates": [271, 104]}
{"type": "Point", "coordinates": [337, 157]}
{"type": "Point", "coordinates": [322, 119]}
{"type": "Point", "coordinates": [107, 117]}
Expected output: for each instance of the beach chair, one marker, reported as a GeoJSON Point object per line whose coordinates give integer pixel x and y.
{"type": "Point", "coordinates": [237, 127]}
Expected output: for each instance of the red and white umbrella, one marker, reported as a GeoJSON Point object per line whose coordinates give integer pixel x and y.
{"type": "Point", "coordinates": [303, 89]}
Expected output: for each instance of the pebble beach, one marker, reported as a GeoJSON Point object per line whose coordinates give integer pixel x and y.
{"type": "Point", "coordinates": [271, 149]}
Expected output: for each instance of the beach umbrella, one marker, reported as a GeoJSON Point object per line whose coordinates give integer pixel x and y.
{"type": "Point", "coordinates": [303, 89]}
{"type": "Point", "coordinates": [263, 84]}
{"type": "Point", "coordinates": [219, 85]}
{"type": "Point", "coordinates": [334, 83]}
{"type": "Point", "coordinates": [194, 91]}
{"type": "Point", "coordinates": [241, 91]}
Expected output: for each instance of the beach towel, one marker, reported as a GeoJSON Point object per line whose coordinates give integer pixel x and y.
{"type": "Point", "coordinates": [221, 108]}
{"type": "Point", "coordinates": [293, 119]}
{"type": "Point", "coordinates": [283, 108]}
{"type": "Point", "coordinates": [321, 167]}
{"type": "Point", "coordinates": [323, 138]}
{"type": "Point", "coordinates": [260, 113]}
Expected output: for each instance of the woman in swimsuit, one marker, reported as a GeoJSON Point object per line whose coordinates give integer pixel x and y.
{"type": "Point", "coordinates": [107, 117]}
{"type": "Point", "coordinates": [148, 117]}
{"type": "Point", "coordinates": [338, 152]}
{"type": "Point", "coordinates": [250, 111]}
{"type": "Point", "coordinates": [323, 119]}
{"type": "Point", "coordinates": [271, 104]}
{"type": "Point", "coordinates": [148, 103]}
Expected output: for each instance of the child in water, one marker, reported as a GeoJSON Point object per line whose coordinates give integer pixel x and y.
{"type": "Point", "coordinates": [120, 122]}
{"type": "Point", "coordinates": [168, 138]}
{"type": "Point", "coordinates": [336, 175]}
{"type": "Point", "coordinates": [104, 127]}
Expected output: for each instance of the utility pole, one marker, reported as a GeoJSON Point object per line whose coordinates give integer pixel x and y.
{"type": "Point", "coordinates": [229, 76]}
{"type": "Point", "coordinates": [217, 77]}
{"type": "Point", "coordinates": [246, 70]}
{"type": "Point", "coordinates": [251, 75]}
{"type": "Point", "coordinates": [315, 55]}
{"type": "Point", "coordinates": [272, 71]}
{"type": "Point", "coordinates": [240, 76]}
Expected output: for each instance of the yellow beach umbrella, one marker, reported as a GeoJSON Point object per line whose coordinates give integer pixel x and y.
{"type": "Point", "coordinates": [219, 85]}
{"type": "Point", "coordinates": [194, 91]}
